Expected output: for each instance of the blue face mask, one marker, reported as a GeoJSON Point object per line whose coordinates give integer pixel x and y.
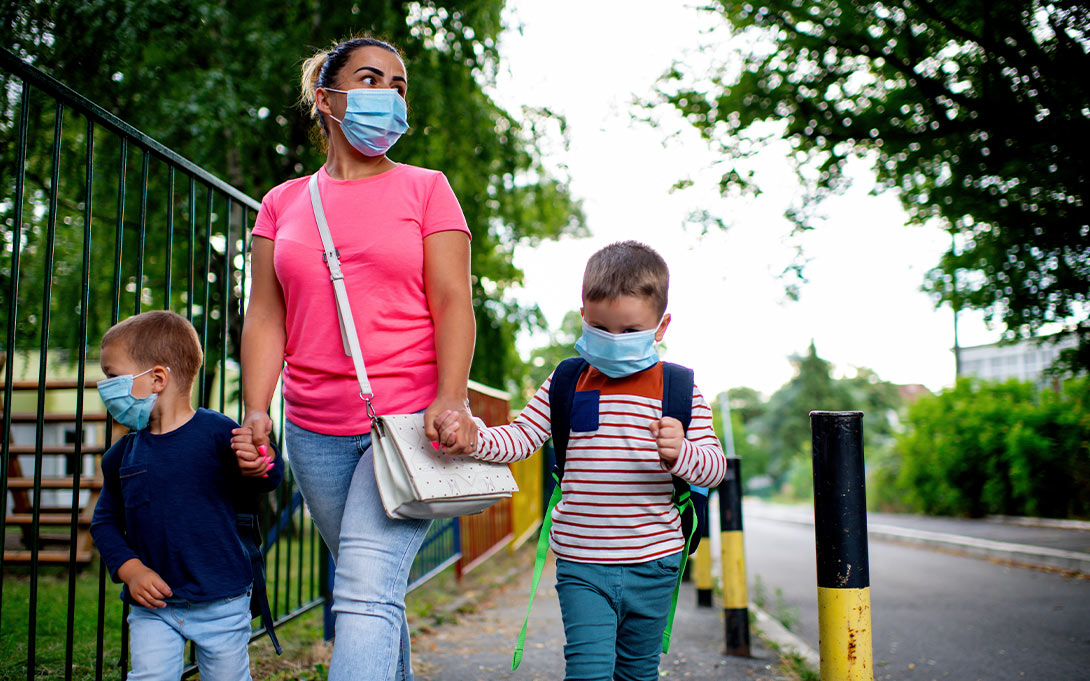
{"type": "Point", "coordinates": [374, 119]}
{"type": "Point", "coordinates": [131, 412]}
{"type": "Point", "coordinates": [617, 354]}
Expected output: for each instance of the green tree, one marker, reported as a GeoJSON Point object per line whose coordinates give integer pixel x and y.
{"type": "Point", "coordinates": [784, 428]}
{"type": "Point", "coordinates": [1006, 448]}
{"type": "Point", "coordinates": [561, 345]}
{"type": "Point", "coordinates": [217, 81]}
{"type": "Point", "coordinates": [973, 111]}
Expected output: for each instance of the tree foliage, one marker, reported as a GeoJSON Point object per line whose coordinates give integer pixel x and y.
{"type": "Point", "coordinates": [974, 111]}
{"type": "Point", "coordinates": [777, 431]}
{"type": "Point", "coordinates": [217, 81]}
{"type": "Point", "coordinates": [998, 448]}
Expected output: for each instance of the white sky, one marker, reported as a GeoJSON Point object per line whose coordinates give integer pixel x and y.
{"type": "Point", "coordinates": [862, 306]}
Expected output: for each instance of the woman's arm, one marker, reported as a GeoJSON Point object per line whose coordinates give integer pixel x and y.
{"type": "Point", "coordinates": [263, 340]}
{"type": "Point", "coordinates": [446, 284]}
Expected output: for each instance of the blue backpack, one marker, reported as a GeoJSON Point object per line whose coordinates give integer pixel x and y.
{"type": "Point", "coordinates": [677, 402]}
{"type": "Point", "coordinates": [691, 502]}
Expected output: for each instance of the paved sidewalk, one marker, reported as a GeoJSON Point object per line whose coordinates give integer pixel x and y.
{"type": "Point", "coordinates": [479, 645]}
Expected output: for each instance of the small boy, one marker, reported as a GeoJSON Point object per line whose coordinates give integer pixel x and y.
{"type": "Point", "coordinates": [165, 523]}
{"type": "Point", "coordinates": [615, 532]}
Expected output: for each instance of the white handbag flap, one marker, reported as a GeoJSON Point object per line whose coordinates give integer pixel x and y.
{"type": "Point", "coordinates": [437, 475]}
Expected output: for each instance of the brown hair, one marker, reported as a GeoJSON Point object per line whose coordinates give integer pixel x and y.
{"type": "Point", "coordinates": [160, 337]}
{"type": "Point", "coordinates": [627, 268]}
{"type": "Point", "coordinates": [322, 68]}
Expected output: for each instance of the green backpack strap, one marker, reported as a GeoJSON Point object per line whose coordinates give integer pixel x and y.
{"type": "Point", "coordinates": [539, 565]}
{"type": "Point", "coordinates": [685, 505]}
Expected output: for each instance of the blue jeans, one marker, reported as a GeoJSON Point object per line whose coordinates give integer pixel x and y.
{"type": "Point", "coordinates": [614, 616]}
{"type": "Point", "coordinates": [220, 631]}
{"type": "Point", "coordinates": [336, 475]}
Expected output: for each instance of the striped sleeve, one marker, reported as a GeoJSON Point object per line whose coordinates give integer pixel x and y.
{"type": "Point", "coordinates": [701, 462]}
{"type": "Point", "coordinates": [523, 437]}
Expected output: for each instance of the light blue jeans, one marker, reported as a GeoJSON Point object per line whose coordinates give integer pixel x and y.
{"type": "Point", "coordinates": [336, 475]}
{"type": "Point", "coordinates": [220, 631]}
{"type": "Point", "coordinates": [614, 616]}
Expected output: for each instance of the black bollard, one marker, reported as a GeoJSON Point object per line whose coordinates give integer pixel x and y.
{"type": "Point", "coordinates": [702, 562]}
{"type": "Point", "coordinates": [840, 527]}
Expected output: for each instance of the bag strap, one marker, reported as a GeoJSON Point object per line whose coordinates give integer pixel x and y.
{"type": "Point", "coordinates": [249, 531]}
{"type": "Point", "coordinates": [684, 505]}
{"type": "Point", "coordinates": [332, 258]}
{"type": "Point", "coordinates": [561, 396]}
{"type": "Point", "coordinates": [677, 402]}
{"type": "Point", "coordinates": [539, 564]}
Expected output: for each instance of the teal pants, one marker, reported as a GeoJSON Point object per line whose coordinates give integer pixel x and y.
{"type": "Point", "coordinates": [614, 616]}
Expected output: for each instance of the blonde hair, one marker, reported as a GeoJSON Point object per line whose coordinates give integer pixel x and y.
{"type": "Point", "coordinates": [160, 337]}
{"type": "Point", "coordinates": [322, 68]}
{"type": "Point", "coordinates": [627, 268]}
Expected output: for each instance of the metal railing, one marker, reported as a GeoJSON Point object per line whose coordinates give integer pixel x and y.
{"type": "Point", "coordinates": [102, 221]}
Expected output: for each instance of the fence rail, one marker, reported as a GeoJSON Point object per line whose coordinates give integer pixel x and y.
{"type": "Point", "coordinates": [100, 221]}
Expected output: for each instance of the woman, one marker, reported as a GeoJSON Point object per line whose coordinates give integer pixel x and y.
{"type": "Point", "coordinates": [404, 248]}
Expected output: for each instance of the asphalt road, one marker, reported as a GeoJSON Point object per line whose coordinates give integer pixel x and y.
{"type": "Point", "coordinates": [936, 615]}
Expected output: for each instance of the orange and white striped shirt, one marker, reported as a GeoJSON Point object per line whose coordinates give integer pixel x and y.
{"type": "Point", "coordinates": [617, 494]}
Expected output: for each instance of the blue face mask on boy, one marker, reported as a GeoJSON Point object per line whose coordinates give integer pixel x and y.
{"type": "Point", "coordinates": [374, 119]}
{"type": "Point", "coordinates": [131, 412]}
{"type": "Point", "coordinates": [617, 354]}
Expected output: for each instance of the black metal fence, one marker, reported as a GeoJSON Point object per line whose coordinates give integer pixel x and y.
{"type": "Point", "coordinates": [100, 221]}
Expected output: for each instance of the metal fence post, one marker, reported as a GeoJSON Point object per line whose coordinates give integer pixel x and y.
{"type": "Point", "coordinates": [840, 527]}
{"type": "Point", "coordinates": [735, 595]}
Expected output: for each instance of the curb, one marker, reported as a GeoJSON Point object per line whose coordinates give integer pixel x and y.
{"type": "Point", "coordinates": [784, 640]}
{"type": "Point", "coordinates": [1039, 556]}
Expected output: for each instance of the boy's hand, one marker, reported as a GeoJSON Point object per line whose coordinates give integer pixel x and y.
{"type": "Point", "coordinates": [451, 430]}
{"type": "Point", "coordinates": [669, 434]}
{"type": "Point", "coordinates": [145, 585]}
{"type": "Point", "coordinates": [253, 461]}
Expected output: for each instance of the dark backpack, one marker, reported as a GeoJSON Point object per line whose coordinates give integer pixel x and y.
{"type": "Point", "coordinates": [677, 402]}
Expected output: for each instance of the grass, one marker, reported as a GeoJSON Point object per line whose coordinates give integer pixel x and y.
{"type": "Point", "coordinates": [779, 610]}
{"type": "Point", "coordinates": [296, 585]}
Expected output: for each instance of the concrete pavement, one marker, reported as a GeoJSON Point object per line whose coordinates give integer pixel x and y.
{"type": "Point", "coordinates": [478, 646]}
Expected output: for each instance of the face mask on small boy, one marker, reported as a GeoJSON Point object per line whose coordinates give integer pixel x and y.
{"type": "Point", "coordinates": [617, 354]}
{"type": "Point", "coordinates": [131, 412]}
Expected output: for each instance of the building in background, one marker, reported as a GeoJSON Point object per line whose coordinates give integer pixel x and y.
{"type": "Point", "coordinates": [1025, 360]}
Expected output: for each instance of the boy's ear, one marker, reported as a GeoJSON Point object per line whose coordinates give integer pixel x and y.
{"type": "Point", "coordinates": [160, 378]}
{"type": "Point", "coordinates": [661, 331]}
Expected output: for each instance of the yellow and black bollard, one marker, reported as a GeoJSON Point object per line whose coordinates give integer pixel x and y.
{"type": "Point", "coordinates": [840, 526]}
{"type": "Point", "coordinates": [735, 596]}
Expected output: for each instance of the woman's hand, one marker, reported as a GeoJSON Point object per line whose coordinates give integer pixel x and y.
{"type": "Point", "coordinates": [260, 426]}
{"type": "Point", "coordinates": [459, 431]}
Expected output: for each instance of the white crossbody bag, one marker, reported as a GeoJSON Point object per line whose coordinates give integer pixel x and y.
{"type": "Point", "coordinates": [415, 479]}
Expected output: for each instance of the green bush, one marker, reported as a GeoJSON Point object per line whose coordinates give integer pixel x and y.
{"type": "Point", "coordinates": [998, 448]}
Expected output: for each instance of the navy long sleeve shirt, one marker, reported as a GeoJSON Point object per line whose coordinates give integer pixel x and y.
{"type": "Point", "coordinates": [170, 500]}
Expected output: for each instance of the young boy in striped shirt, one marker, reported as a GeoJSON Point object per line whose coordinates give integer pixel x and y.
{"type": "Point", "coordinates": [616, 533]}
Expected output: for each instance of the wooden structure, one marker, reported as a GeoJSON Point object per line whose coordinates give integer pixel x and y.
{"type": "Point", "coordinates": [51, 527]}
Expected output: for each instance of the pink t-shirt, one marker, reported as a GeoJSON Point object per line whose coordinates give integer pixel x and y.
{"type": "Point", "coordinates": [378, 224]}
